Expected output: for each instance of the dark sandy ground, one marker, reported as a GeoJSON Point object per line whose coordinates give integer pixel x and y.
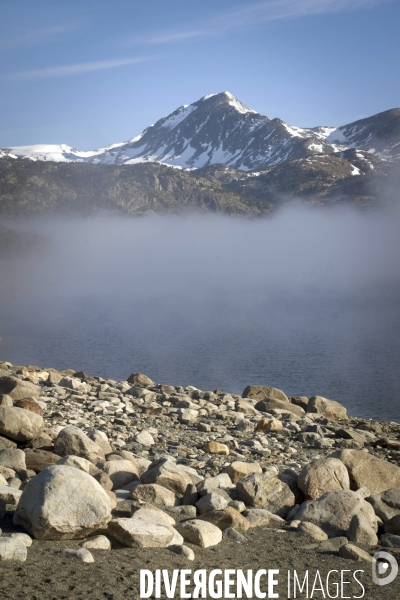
{"type": "Point", "coordinates": [48, 574]}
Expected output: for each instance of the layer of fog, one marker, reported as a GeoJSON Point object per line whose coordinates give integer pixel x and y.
{"type": "Point", "coordinates": [298, 250]}
{"type": "Point", "coordinates": [305, 300]}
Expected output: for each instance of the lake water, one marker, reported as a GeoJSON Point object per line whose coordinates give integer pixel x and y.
{"type": "Point", "coordinates": [307, 301]}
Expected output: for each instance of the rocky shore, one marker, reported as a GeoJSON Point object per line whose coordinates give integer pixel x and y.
{"type": "Point", "coordinates": [103, 465]}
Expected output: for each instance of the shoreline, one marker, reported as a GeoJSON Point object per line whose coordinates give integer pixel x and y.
{"type": "Point", "coordinates": [182, 476]}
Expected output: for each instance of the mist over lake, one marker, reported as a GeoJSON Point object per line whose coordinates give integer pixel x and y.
{"type": "Point", "coordinates": [306, 300]}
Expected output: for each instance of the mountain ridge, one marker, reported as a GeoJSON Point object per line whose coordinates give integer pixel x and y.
{"type": "Point", "coordinates": [219, 129]}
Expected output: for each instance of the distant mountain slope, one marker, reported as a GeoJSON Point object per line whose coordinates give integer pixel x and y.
{"type": "Point", "coordinates": [34, 187]}
{"type": "Point", "coordinates": [220, 129]}
{"type": "Point", "coordinates": [37, 187]}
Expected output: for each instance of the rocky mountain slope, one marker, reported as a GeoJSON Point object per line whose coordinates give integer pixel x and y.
{"type": "Point", "coordinates": [28, 188]}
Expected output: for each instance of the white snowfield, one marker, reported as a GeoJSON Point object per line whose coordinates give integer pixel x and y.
{"type": "Point", "coordinates": [218, 128]}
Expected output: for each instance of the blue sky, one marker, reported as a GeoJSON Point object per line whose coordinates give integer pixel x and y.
{"type": "Point", "coordinates": [91, 72]}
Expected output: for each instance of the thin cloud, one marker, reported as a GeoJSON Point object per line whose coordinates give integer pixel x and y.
{"type": "Point", "coordinates": [258, 12]}
{"type": "Point", "coordinates": [77, 69]}
{"type": "Point", "coordinates": [38, 36]}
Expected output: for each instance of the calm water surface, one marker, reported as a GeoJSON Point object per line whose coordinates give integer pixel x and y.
{"type": "Point", "coordinates": [214, 305]}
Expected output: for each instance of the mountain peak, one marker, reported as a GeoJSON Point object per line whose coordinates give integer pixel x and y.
{"type": "Point", "coordinates": [227, 99]}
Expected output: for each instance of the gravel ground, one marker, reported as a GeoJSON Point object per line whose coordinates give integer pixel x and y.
{"type": "Point", "coordinates": [48, 574]}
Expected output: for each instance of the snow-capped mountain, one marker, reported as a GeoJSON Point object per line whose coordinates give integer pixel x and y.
{"type": "Point", "coordinates": [218, 128]}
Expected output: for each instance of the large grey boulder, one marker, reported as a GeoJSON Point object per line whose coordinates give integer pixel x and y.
{"type": "Point", "coordinates": [63, 503]}
{"type": "Point", "coordinates": [322, 476]}
{"type": "Point", "coordinates": [140, 380]}
{"type": "Point", "coordinates": [271, 404]}
{"type": "Point", "coordinates": [73, 441]}
{"type": "Point", "coordinates": [329, 408]}
{"type": "Point", "coordinates": [141, 534]}
{"type": "Point", "coordinates": [267, 491]}
{"type": "Point", "coordinates": [19, 424]}
{"type": "Point", "coordinates": [334, 511]}
{"type": "Point", "coordinates": [147, 528]}
{"type": "Point", "coordinates": [239, 469]}
{"type": "Point", "coordinates": [367, 470]}
{"type": "Point", "coordinates": [210, 502]}
{"type": "Point", "coordinates": [386, 504]}
{"type": "Point", "coordinates": [154, 494]}
{"type": "Point", "coordinates": [18, 389]}
{"type": "Point", "coordinates": [200, 532]}
{"type": "Point", "coordinates": [166, 473]}
{"type": "Point", "coordinates": [262, 392]}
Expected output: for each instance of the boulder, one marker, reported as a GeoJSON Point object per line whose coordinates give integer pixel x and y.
{"type": "Point", "coordinates": [210, 502]}
{"type": "Point", "coordinates": [361, 532]}
{"type": "Point", "coordinates": [263, 392]}
{"type": "Point", "coordinates": [321, 476]}
{"type": "Point", "coordinates": [272, 404]}
{"type": "Point", "coordinates": [63, 503]}
{"type": "Point", "coordinates": [367, 470]}
{"type": "Point", "coordinates": [167, 474]}
{"type": "Point", "coordinates": [154, 494]}
{"type": "Point", "coordinates": [216, 448]}
{"type": "Point", "coordinates": [73, 441]}
{"type": "Point", "coordinates": [37, 460]}
{"type": "Point", "coordinates": [6, 443]}
{"type": "Point", "coordinates": [386, 504]}
{"type": "Point", "coordinates": [10, 495]}
{"type": "Point", "coordinates": [18, 389]}
{"type": "Point", "coordinates": [259, 517]}
{"type": "Point", "coordinates": [79, 553]}
{"type": "Point", "coordinates": [140, 534]}
{"type": "Point", "coordinates": [13, 458]}
{"type": "Point", "coordinates": [73, 384]}
{"type": "Point", "coordinates": [140, 380]}
{"type": "Point", "coordinates": [313, 531]}
{"type": "Point", "coordinates": [334, 511]}
{"type": "Point", "coordinates": [144, 438]}
{"type": "Point", "coordinates": [269, 425]}
{"type": "Point", "coordinates": [354, 553]}
{"type": "Point", "coordinates": [245, 407]}
{"type": "Point", "coordinates": [120, 472]}
{"type": "Point", "coordinates": [19, 424]}
{"type": "Point", "coordinates": [239, 469]}
{"type": "Point", "coordinates": [209, 484]}
{"type": "Point", "coordinates": [6, 400]}
{"type": "Point", "coordinates": [97, 542]}
{"type": "Point", "coordinates": [227, 517]}
{"type": "Point", "coordinates": [23, 537]}
{"type": "Point", "coordinates": [388, 540]}
{"type": "Point", "coordinates": [78, 463]}
{"type": "Point", "coordinates": [267, 491]}
{"type": "Point", "coordinates": [201, 533]}
{"type": "Point", "coordinates": [29, 404]}
{"type": "Point", "coordinates": [328, 408]}
{"type": "Point", "coordinates": [392, 525]}
{"type": "Point", "coordinates": [182, 551]}
{"type": "Point", "coordinates": [12, 549]}
{"type": "Point", "coordinates": [100, 438]}
{"type": "Point", "coordinates": [187, 416]}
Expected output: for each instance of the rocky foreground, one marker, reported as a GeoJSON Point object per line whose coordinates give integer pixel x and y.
{"type": "Point", "coordinates": [108, 463]}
